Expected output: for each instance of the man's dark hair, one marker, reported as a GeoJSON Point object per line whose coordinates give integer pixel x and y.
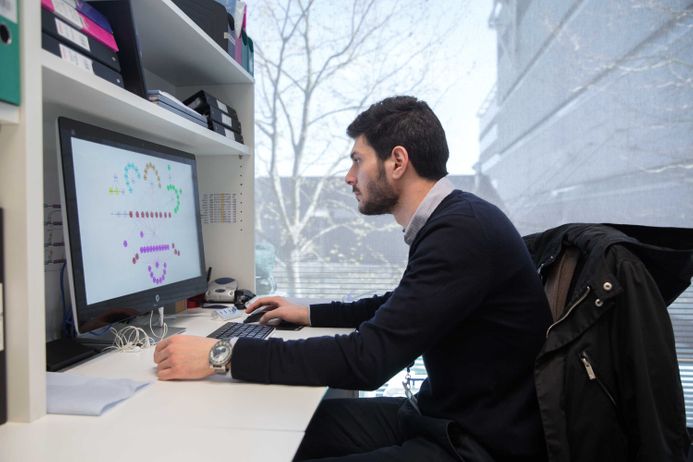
{"type": "Point", "coordinates": [405, 121]}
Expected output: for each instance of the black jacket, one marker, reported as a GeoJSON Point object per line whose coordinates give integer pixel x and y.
{"type": "Point", "coordinates": [607, 377]}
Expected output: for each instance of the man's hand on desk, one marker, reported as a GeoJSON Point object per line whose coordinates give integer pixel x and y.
{"type": "Point", "coordinates": [186, 357]}
{"type": "Point", "coordinates": [280, 308]}
{"type": "Point", "coordinates": [183, 357]}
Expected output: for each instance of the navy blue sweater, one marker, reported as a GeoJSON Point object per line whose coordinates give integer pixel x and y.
{"type": "Point", "coordinates": [469, 301]}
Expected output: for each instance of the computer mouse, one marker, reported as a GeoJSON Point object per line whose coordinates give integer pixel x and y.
{"type": "Point", "coordinates": [274, 322]}
{"type": "Point", "coordinates": [256, 315]}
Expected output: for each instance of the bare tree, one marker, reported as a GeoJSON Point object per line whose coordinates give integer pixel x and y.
{"type": "Point", "coordinates": [317, 65]}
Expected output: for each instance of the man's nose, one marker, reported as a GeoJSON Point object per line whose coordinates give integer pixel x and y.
{"type": "Point", "coordinates": [350, 178]}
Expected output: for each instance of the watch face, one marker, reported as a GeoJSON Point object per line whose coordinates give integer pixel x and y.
{"type": "Point", "coordinates": [220, 353]}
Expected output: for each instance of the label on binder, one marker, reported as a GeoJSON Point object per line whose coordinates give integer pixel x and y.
{"type": "Point", "coordinates": [69, 13]}
{"type": "Point", "coordinates": [222, 106]}
{"type": "Point", "coordinates": [226, 120]}
{"type": "Point", "coordinates": [8, 9]}
{"type": "Point", "coordinates": [77, 59]}
{"type": "Point", "coordinates": [72, 34]}
{"type": "Point", "coordinates": [229, 133]}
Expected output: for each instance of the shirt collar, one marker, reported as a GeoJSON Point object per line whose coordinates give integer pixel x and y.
{"type": "Point", "coordinates": [435, 196]}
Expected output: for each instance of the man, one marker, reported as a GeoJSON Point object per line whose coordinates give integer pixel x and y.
{"type": "Point", "coordinates": [469, 301]}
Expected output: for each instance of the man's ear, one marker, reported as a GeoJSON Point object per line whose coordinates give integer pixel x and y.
{"type": "Point", "coordinates": [400, 159]}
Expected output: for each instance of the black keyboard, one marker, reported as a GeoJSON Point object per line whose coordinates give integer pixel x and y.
{"type": "Point", "coordinates": [237, 329]}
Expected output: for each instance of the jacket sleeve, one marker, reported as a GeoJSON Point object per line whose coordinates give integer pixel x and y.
{"type": "Point", "coordinates": [652, 396]}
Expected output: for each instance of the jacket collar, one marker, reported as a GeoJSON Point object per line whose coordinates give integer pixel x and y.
{"type": "Point", "coordinates": [667, 253]}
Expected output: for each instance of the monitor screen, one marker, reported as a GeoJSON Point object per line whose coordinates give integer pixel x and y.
{"type": "Point", "coordinates": [132, 224]}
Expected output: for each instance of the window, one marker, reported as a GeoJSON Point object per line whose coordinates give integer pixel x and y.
{"type": "Point", "coordinates": [587, 119]}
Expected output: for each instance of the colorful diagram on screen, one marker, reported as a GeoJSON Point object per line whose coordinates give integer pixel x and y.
{"type": "Point", "coordinates": [150, 207]}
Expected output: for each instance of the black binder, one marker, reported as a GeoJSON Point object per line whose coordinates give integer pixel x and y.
{"type": "Point", "coordinates": [3, 360]}
{"type": "Point", "coordinates": [201, 102]}
{"type": "Point", "coordinates": [229, 120]}
{"type": "Point", "coordinates": [215, 111]}
{"type": "Point", "coordinates": [222, 130]}
{"type": "Point", "coordinates": [83, 43]}
{"type": "Point", "coordinates": [211, 16]}
{"type": "Point", "coordinates": [120, 15]}
{"type": "Point", "coordinates": [60, 49]}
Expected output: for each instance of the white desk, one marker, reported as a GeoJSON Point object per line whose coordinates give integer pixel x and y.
{"type": "Point", "coordinates": [174, 421]}
{"type": "Point", "coordinates": [98, 439]}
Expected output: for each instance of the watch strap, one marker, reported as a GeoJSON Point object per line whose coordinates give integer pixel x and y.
{"type": "Point", "coordinates": [226, 367]}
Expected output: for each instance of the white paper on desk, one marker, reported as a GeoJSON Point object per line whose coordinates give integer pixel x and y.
{"type": "Point", "coordinates": [74, 394]}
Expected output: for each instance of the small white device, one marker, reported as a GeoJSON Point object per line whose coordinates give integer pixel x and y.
{"type": "Point", "coordinates": [221, 290]}
{"type": "Point", "coordinates": [225, 314]}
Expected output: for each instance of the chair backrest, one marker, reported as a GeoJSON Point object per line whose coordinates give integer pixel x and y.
{"type": "Point", "coordinates": [558, 280]}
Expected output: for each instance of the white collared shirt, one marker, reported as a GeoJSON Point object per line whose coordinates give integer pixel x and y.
{"type": "Point", "coordinates": [435, 196]}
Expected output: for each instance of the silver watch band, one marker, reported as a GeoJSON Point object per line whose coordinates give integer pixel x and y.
{"type": "Point", "coordinates": [226, 369]}
{"type": "Point", "coordinates": [232, 342]}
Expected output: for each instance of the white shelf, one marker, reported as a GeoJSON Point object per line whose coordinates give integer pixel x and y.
{"type": "Point", "coordinates": [174, 46]}
{"type": "Point", "coordinates": [181, 59]}
{"type": "Point", "coordinates": [69, 90]}
{"type": "Point", "coordinates": [9, 114]}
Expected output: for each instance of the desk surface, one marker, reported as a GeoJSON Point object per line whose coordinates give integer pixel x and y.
{"type": "Point", "coordinates": [92, 439]}
{"type": "Point", "coordinates": [174, 421]}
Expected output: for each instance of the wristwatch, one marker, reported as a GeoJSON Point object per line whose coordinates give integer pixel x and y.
{"type": "Point", "coordinates": [220, 357]}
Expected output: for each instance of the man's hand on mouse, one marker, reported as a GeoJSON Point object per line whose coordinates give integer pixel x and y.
{"type": "Point", "coordinates": [280, 308]}
{"type": "Point", "coordinates": [183, 357]}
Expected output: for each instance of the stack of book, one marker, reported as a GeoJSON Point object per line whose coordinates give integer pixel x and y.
{"type": "Point", "coordinates": [78, 33]}
{"type": "Point", "coordinates": [221, 117]}
{"type": "Point", "coordinates": [171, 103]}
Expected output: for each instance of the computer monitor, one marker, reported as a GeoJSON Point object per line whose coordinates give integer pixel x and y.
{"type": "Point", "coordinates": [131, 222]}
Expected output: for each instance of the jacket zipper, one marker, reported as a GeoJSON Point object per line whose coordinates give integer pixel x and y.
{"type": "Point", "coordinates": [593, 376]}
{"type": "Point", "coordinates": [572, 307]}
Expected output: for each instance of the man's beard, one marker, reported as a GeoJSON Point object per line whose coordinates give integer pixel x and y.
{"type": "Point", "coordinates": [382, 198]}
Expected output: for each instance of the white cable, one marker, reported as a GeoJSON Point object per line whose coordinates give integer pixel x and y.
{"type": "Point", "coordinates": [162, 324]}
{"type": "Point", "coordinates": [131, 339]}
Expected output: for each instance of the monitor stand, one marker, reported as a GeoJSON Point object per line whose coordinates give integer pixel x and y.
{"type": "Point", "coordinates": [108, 338]}
{"type": "Point", "coordinates": [65, 352]}
{"type": "Point", "coordinates": [104, 337]}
